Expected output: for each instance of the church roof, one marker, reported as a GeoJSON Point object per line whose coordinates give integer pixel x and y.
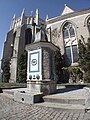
{"type": "Point", "coordinates": [67, 10]}
{"type": "Point", "coordinates": [68, 15]}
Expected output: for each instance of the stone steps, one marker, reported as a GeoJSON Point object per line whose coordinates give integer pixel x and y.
{"type": "Point", "coordinates": [7, 95]}
{"type": "Point", "coordinates": [70, 97]}
{"type": "Point", "coordinates": [64, 100]}
{"type": "Point", "coordinates": [64, 107]}
{"type": "Point", "coordinates": [70, 101]}
{"type": "Point", "coordinates": [9, 92]}
{"type": "Point", "coordinates": [73, 100]}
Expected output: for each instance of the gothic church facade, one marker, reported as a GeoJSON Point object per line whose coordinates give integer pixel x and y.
{"type": "Point", "coordinates": [64, 31]}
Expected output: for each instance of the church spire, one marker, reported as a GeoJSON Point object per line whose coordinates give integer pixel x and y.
{"type": "Point", "coordinates": [37, 16]}
{"type": "Point", "coordinates": [14, 17]}
{"type": "Point", "coordinates": [22, 15]}
{"type": "Point", "coordinates": [67, 10]}
{"type": "Point", "coordinates": [13, 22]}
{"type": "Point", "coordinates": [23, 12]}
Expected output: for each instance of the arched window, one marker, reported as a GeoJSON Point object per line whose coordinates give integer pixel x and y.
{"type": "Point", "coordinates": [88, 24]}
{"type": "Point", "coordinates": [69, 36]}
{"type": "Point", "coordinates": [72, 32]}
{"type": "Point", "coordinates": [28, 36]}
{"type": "Point", "coordinates": [65, 33]}
{"type": "Point", "coordinates": [68, 30]}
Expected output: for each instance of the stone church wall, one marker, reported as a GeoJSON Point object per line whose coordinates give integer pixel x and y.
{"type": "Point", "coordinates": [7, 52]}
{"type": "Point", "coordinates": [80, 27]}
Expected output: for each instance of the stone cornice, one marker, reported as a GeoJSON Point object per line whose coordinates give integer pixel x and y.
{"type": "Point", "coordinates": [41, 44]}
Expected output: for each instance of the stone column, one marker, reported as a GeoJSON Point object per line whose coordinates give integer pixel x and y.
{"type": "Point", "coordinates": [13, 68]}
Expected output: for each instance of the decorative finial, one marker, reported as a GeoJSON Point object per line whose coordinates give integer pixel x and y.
{"type": "Point", "coordinates": [37, 11]}
{"type": "Point", "coordinates": [37, 17]}
{"type": "Point", "coordinates": [14, 16]}
{"type": "Point", "coordinates": [65, 5]}
{"type": "Point", "coordinates": [23, 11]}
{"type": "Point", "coordinates": [46, 17]}
{"type": "Point", "coordinates": [31, 13]}
{"type": "Point", "coordinates": [23, 16]}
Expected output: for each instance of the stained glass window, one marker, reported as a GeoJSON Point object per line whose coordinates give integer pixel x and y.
{"type": "Point", "coordinates": [65, 33]}
{"type": "Point", "coordinates": [70, 41]}
{"type": "Point", "coordinates": [68, 55]}
{"type": "Point", "coordinates": [72, 32]}
{"type": "Point", "coordinates": [75, 53]}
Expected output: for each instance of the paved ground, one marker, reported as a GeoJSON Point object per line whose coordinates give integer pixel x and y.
{"type": "Point", "coordinates": [11, 110]}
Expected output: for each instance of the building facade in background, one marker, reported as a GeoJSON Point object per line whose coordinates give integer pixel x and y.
{"type": "Point", "coordinates": [64, 31]}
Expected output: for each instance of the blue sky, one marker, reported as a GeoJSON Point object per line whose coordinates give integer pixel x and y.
{"type": "Point", "coordinates": [51, 7]}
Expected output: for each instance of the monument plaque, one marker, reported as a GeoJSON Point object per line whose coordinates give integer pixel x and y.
{"type": "Point", "coordinates": [34, 65]}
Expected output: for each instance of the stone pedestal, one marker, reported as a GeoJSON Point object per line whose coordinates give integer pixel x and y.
{"type": "Point", "coordinates": [45, 87]}
{"type": "Point", "coordinates": [40, 71]}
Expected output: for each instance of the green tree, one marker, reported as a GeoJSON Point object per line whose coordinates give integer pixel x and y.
{"type": "Point", "coordinates": [75, 73]}
{"type": "Point", "coordinates": [81, 54]}
{"type": "Point", "coordinates": [84, 59]}
{"type": "Point", "coordinates": [6, 70]}
{"type": "Point", "coordinates": [87, 60]}
{"type": "Point", "coordinates": [22, 68]}
{"type": "Point", "coordinates": [58, 65]}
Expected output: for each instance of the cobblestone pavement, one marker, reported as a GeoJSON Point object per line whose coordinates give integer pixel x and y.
{"type": "Point", "coordinates": [11, 110]}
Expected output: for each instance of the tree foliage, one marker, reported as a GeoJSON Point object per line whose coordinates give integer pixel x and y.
{"type": "Point", "coordinates": [6, 70]}
{"type": "Point", "coordinates": [84, 59]}
{"type": "Point", "coordinates": [58, 65]}
{"type": "Point", "coordinates": [22, 68]}
{"type": "Point", "coordinates": [72, 74]}
{"type": "Point", "coordinates": [81, 54]}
